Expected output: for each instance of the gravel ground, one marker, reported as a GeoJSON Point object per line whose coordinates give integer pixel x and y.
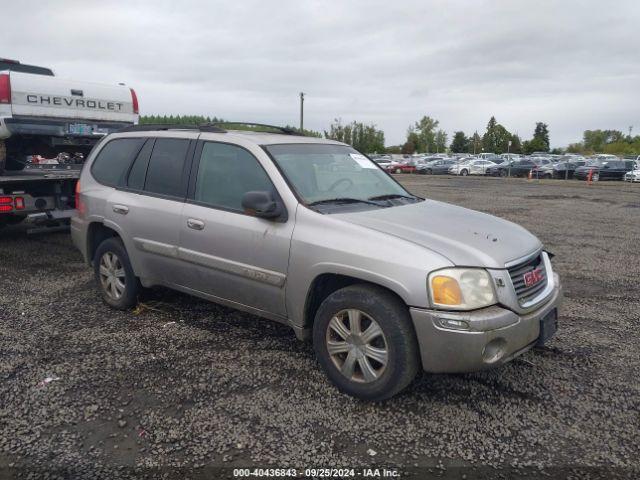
{"type": "Point", "coordinates": [181, 388]}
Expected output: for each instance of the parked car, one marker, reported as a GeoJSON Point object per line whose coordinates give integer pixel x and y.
{"type": "Point", "coordinates": [633, 175]}
{"type": "Point", "coordinates": [436, 167]}
{"type": "Point", "coordinates": [406, 166]}
{"type": "Point", "coordinates": [382, 281]}
{"type": "Point", "coordinates": [472, 167]}
{"type": "Point", "coordinates": [514, 168]}
{"type": "Point", "coordinates": [604, 170]}
{"type": "Point", "coordinates": [562, 170]}
{"type": "Point", "coordinates": [383, 162]}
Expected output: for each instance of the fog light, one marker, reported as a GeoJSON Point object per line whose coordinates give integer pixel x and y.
{"type": "Point", "coordinates": [494, 350]}
{"type": "Point", "coordinates": [454, 324]}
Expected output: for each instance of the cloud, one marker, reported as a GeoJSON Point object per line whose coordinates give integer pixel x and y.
{"type": "Point", "coordinates": [572, 64]}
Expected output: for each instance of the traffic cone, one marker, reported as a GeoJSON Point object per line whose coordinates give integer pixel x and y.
{"type": "Point", "coordinates": [589, 176]}
{"type": "Point", "coordinates": [530, 176]}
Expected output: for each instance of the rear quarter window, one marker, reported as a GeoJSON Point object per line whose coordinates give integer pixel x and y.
{"type": "Point", "coordinates": [114, 159]}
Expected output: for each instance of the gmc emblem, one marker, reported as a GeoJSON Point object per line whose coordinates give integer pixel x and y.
{"type": "Point", "coordinates": [532, 277]}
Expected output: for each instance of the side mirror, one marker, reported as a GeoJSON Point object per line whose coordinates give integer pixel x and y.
{"type": "Point", "coordinates": [261, 205]}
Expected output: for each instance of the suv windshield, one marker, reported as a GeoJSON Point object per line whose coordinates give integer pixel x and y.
{"type": "Point", "coordinates": [323, 173]}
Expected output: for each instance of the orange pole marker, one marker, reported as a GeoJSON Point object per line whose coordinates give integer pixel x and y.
{"type": "Point", "coordinates": [589, 176]}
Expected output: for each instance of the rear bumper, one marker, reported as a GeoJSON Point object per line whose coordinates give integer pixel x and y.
{"type": "Point", "coordinates": [60, 127]}
{"type": "Point", "coordinates": [78, 229]}
{"type": "Point", "coordinates": [495, 335]}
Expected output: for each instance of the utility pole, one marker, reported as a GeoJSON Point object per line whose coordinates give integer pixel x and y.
{"type": "Point", "coordinates": [301, 111]}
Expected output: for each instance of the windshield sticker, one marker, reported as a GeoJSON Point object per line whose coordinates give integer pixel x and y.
{"type": "Point", "coordinates": [361, 160]}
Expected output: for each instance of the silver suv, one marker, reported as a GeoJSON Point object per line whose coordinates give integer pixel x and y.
{"type": "Point", "coordinates": [313, 234]}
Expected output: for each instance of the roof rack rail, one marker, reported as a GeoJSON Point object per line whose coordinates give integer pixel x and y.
{"type": "Point", "coordinates": [283, 130]}
{"type": "Point", "coordinates": [150, 127]}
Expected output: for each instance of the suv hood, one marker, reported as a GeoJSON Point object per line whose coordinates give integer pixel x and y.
{"type": "Point", "coordinates": [465, 237]}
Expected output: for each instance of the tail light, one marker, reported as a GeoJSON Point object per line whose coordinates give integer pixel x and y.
{"type": "Point", "coordinates": [19, 203]}
{"type": "Point", "coordinates": [5, 88]}
{"type": "Point", "coordinates": [134, 101]}
{"type": "Point", "coordinates": [6, 204]}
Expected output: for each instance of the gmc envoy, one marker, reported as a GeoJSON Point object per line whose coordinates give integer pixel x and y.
{"type": "Point", "coordinates": [311, 233]}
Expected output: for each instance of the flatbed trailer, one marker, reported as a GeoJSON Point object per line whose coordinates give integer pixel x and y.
{"type": "Point", "coordinates": [43, 195]}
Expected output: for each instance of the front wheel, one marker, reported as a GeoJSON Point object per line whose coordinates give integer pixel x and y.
{"type": "Point", "coordinates": [464, 173]}
{"type": "Point", "coordinates": [398, 170]}
{"type": "Point", "coordinates": [365, 342]}
{"type": "Point", "coordinates": [595, 177]}
{"type": "Point", "coordinates": [114, 275]}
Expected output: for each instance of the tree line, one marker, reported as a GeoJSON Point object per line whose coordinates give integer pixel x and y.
{"type": "Point", "coordinates": [425, 136]}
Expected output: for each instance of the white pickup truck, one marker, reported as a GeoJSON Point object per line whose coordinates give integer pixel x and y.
{"type": "Point", "coordinates": [42, 116]}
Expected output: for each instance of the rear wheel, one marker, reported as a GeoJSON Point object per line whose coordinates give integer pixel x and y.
{"type": "Point", "coordinates": [504, 173]}
{"type": "Point", "coordinates": [398, 170]}
{"type": "Point", "coordinates": [118, 284]}
{"type": "Point", "coordinates": [365, 342]}
{"type": "Point", "coordinates": [595, 177]}
{"type": "Point", "coordinates": [428, 171]}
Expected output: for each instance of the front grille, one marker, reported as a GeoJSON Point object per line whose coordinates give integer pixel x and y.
{"type": "Point", "coordinates": [524, 293]}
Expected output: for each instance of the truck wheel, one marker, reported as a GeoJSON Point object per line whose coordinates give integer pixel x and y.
{"type": "Point", "coordinates": [118, 285]}
{"type": "Point", "coordinates": [365, 342]}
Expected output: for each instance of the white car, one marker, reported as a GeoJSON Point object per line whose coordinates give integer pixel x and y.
{"type": "Point", "coordinates": [633, 176]}
{"type": "Point", "coordinates": [472, 167]}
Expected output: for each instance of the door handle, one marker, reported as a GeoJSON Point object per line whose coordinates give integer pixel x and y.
{"type": "Point", "coordinates": [195, 224]}
{"type": "Point", "coordinates": [121, 209]}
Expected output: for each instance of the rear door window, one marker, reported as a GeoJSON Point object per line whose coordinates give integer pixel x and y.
{"type": "Point", "coordinates": [166, 172]}
{"type": "Point", "coordinates": [114, 159]}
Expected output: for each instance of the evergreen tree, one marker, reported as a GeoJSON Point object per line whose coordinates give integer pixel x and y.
{"type": "Point", "coordinates": [460, 142]}
{"type": "Point", "coordinates": [496, 138]}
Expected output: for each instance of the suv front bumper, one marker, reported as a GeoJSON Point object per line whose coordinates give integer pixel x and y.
{"type": "Point", "coordinates": [492, 335]}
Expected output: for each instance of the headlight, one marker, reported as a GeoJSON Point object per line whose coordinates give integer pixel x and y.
{"type": "Point", "coordinates": [461, 288]}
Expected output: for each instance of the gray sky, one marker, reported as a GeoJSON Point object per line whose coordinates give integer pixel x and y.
{"type": "Point", "coordinates": [572, 64]}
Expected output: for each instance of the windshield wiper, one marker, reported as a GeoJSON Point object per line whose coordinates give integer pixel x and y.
{"type": "Point", "coordinates": [343, 200]}
{"type": "Point", "coordinates": [391, 196]}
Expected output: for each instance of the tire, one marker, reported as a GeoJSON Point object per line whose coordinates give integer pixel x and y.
{"type": "Point", "coordinates": [504, 173]}
{"type": "Point", "coordinates": [398, 170]}
{"type": "Point", "coordinates": [464, 172]}
{"type": "Point", "coordinates": [121, 298]}
{"type": "Point", "coordinates": [428, 171]}
{"type": "Point", "coordinates": [595, 177]}
{"type": "Point", "coordinates": [373, 305]}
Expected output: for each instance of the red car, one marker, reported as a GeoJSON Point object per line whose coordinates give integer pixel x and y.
{"type": "Point", "coordinates": [406, 166]}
